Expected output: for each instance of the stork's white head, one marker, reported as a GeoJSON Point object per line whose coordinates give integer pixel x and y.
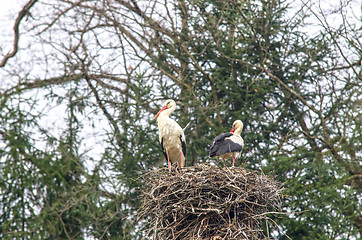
{"type": "Point", "coordinates": [237, 127]}
{"type": "Point", "coordinates": [168, 107]}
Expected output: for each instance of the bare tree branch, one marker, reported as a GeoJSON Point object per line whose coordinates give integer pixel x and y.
{"type": "Point", "coordinates": [21, 15]}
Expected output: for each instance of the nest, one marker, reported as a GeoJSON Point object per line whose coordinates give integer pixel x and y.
{"type": "Point", "coordinates": [208, 202]}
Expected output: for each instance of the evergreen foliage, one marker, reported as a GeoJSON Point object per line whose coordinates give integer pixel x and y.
{"type": "Point", "coordinates": [77, 103]}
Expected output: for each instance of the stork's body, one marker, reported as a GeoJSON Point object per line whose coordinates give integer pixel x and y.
{"type": "Point", "coordinates": [228, 145]}
{"type": "Point", "coordinates": [171, 135]}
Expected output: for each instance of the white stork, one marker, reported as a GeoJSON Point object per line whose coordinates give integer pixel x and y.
{"type": "Point", "coordinates": [228, 145]}
{"type": "Point", "coordinates": [171, 135]}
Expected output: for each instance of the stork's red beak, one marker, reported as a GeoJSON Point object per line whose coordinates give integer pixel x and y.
{"type": "Point", "coordinates": [163, 108]}
{"type": "Point", "coordinates": [232, 130]}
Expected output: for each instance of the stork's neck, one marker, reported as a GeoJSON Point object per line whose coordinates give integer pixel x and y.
{"type": "Point", "coordinates": [238, 130]}
{"type": "Point", "coordinates": [166, 113]}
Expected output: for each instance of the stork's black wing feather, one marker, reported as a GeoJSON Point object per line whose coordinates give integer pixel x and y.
{"type": "Point", "coordinates": [222, 145]}
{"type": "Point", "coordinates": [213, 149]}
{"type": "Point", "coordinates": [183, 143]}
{"type": "Point", "coordinates": [222, 136]}
{"type": "Point", "coordinates": [163, 150]}
{"type": "Point", "coordinates": [228, 146]}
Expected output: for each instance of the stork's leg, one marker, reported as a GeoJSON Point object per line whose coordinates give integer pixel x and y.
{"type": "Point", "coordinates": [169, 162]}
{"type": "Point", "coordinates": [233, 160]}
{"type": "Point", "coordinates": [182, 160]}
{"type": "Point", "coordinates": [223, 159]}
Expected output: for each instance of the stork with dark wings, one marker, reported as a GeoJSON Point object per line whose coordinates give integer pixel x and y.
{"type": "Point", "coordinates": [228, 145]}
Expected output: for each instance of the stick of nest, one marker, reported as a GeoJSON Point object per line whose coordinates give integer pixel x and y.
{"type": "Point", "coordinates": [207, 202]}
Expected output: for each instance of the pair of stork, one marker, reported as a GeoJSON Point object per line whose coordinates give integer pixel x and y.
{"type": "Point", "coordinates": [173, 141]}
